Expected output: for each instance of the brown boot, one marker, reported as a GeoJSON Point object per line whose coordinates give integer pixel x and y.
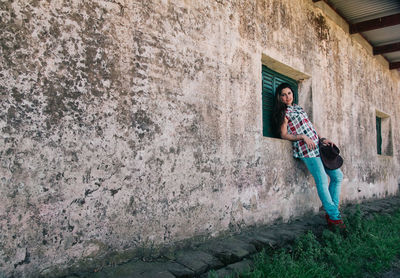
{"type": "Point", "coordinates": [336, 223]}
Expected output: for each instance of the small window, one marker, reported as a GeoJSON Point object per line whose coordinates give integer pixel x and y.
{"type": "Point", "coordinates": [384, 145]}
{"type": "Point", "coordinates": [270, 80]}
{"type": "Point", "coordinates": [379, 134]}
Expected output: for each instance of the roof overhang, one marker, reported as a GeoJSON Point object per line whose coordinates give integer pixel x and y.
{"type": "Point", "coordinates": [377, 21]}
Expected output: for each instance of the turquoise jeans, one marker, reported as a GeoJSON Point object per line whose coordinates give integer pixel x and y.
{"type": "Point", "coordinates": [328, 192]}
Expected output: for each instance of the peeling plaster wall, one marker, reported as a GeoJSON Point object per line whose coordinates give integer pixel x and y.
{"type": "Point", "coordinates": [128, 124]}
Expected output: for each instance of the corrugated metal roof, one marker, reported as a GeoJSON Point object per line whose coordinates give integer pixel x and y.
{"type": "Point", "coordinates": [383, 36]}
{"type": "Point", "coordinates": [356, 11]}
{"type": "Point", "coordinates": [360, 10]}
{"type": "Point", "coordinates": [395, 56]}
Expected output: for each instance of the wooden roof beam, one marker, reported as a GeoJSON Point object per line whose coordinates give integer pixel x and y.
{"type": "Point", "coordinates": [394, 65]}
{"type": "Point", "coordinates": [376, 23]}
{"type": "Point", "coordinates": [387, 48]}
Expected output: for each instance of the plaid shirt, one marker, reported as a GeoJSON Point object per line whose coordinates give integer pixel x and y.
{"type": "Point", "coordinates": [298, 123]}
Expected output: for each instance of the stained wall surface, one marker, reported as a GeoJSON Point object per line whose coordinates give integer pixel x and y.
{"type": "Point", "coordinates": [132, 124]}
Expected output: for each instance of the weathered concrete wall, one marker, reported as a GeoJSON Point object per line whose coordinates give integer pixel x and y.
{"type": "Point", "coordinates": [128, 124]}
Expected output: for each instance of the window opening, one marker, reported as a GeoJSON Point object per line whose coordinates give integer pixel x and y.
{"type": "Point", "coordinates": [270, 80]}
{"type": "Point", "coordinates": [379, 135]}
{"type": "Point", "coordinates": [384, 142]}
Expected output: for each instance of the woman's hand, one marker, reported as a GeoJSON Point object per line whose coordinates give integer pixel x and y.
{"type": "Point", "coordinates": [310, 143]}
{"type": "Point", "coordinates": [327, 142]}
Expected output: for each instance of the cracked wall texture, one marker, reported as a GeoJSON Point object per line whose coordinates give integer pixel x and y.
{"type": "Point", "coordinates": [131, 124]}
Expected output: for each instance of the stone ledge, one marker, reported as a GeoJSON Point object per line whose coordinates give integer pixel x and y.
{"type": "Point", "coordinates": [229, 250]}
{"type": "Point", "coordinates": [242, 266]}
{"type": "Point", "coordinates": [229, 255]}
{"type": "Point", "coordinates": [198, 261]}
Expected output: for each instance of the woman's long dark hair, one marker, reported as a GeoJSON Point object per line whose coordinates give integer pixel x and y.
{"type": "Point", "coordinates": [279, 109]}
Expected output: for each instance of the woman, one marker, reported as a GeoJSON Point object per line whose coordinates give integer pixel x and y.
{"type": "Point", "coordinates": [292, 123]}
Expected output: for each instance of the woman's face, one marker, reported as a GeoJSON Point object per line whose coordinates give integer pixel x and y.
{"type": "Point", "coordinates": [286, 96]}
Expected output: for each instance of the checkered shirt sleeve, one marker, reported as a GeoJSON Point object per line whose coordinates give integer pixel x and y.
{"type": "Point", "coordinates": [298, 123]}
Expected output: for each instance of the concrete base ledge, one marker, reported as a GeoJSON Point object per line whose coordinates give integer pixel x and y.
{"type": "Point", "coordinates": [229, 255]}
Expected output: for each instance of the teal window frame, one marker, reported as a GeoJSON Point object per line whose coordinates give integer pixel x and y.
{"type": "Point", "coordinates": [270, 80]}
{"type": "Point", "coordinates": [379, 135]}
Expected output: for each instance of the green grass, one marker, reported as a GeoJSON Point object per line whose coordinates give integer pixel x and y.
{"type": "Point", "coordinates": [369, 247]}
